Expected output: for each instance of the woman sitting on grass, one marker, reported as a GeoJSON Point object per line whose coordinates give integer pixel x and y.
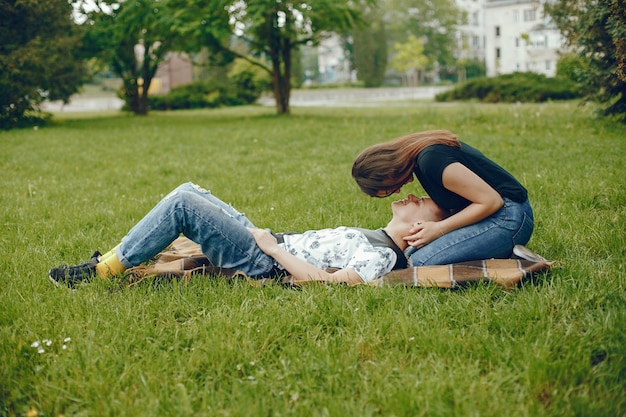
{"type": "Point", "coordinates": [490, 211]}
{"type": "Point", "coordinates": [229, 240]}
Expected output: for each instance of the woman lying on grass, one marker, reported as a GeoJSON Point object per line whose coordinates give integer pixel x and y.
{"type": "Point", "coordinates": [229, 240]}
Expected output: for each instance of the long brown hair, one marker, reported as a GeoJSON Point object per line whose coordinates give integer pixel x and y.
{"type": "Point", "coordinates": [389, 165]}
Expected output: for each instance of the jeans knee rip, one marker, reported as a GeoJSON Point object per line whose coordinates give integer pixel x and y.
{"type": "Point", "coordinates": [199, 188]}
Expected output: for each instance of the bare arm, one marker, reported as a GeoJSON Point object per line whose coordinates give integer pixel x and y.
{"type": "Point", "coordinates": [301, 270]}
{"type": "Point", "coordinates": [485, 201]}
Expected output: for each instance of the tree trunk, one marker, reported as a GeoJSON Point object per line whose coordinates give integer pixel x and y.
{"type": "Point", "coordinates": [281, 75]}
{"type": "Point", "coordinates": [147, 73]}
{"type": "Point", "coordinates": [286, 79]}
{"type": "Point", "coordinates": [131, 94]}
{"type": "Point", "coordinates": [142, 105]}
{"type": "Point", "coordinates": [282, 97]}
{"type": "Point", "coordinates": [136, 98]}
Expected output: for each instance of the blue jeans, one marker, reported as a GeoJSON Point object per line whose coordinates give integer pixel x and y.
{"type": "Point", "coordinates": [493, 237]}
{"type": "Point", "coordinates": [219, 229]}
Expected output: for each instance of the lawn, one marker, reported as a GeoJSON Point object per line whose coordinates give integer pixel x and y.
{"type": "Point", "coordinates": [554, 347]}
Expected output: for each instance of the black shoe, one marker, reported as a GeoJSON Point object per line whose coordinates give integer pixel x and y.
{"type": "Point", "coordinates": [72, 275]}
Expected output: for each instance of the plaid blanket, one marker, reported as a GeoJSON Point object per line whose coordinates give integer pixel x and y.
{"type": "Point", "coordinates": [506, 273]}
{"type": "Point", "coordinates": [184, 258]}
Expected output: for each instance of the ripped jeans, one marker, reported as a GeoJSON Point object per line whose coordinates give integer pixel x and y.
{"type": "Point", "coordinates": [219, 229]}
{"type": "Point", "coordinates": [493, 237]}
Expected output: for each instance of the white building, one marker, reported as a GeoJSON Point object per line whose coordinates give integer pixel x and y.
{"type": "Point", "coordinates": [508, 35]}
{"type": "Point", "coordinates": [518, 37]}
{"type": "Point", "coordinates": [333, 64]}
{"type": "Point", "coordinates": [470, 36]}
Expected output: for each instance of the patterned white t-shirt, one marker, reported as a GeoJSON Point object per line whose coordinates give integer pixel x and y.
{"type": "Point", "coordinates": [341, 248]}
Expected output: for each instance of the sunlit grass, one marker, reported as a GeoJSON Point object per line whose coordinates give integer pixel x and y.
{"type": "Point", "coordinates": [212, 347]}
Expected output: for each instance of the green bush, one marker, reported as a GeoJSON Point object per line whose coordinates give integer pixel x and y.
{"type": "Point", "coordinates": [247, 81]}
{"type": "Point", "coordinates": [12, 117]}
{"type": "Point", "coordinates": [510, 88]}
{"type": "Point", "coordinates": [191, 96]}
{"type": "Point", "coordinates": [571, 67]}
{"type": "Point", "coordinates": [244, 86]}
{"type": "Point", "coordinates": [474, 68]}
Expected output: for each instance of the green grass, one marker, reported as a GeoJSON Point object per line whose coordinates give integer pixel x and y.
{"type": "Point", "coordinates": [213, 348]}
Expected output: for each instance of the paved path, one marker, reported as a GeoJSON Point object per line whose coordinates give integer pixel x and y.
{"type": "Point", "coordinates": [347, 97]}
{"type": "Point", "coordinates": [355, 97]}
{"type": "Point", "coordinates": [80, 104]}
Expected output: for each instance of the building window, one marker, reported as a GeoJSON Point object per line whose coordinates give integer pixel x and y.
{"type": "Point", "coordinates": [515, 16]}
{"type": "Point", "coordinates": [497, 31]}
{"type": "Point", "coordinates": [497, 53]}
{"type": "Point", "coordinates": [548, 65]}
{"type": "Point", "coordinates": [539, 42]}
{"type": "Point", "coordinates": [530, 15]}
{"type": "Point", "coordinates": [517, 42]}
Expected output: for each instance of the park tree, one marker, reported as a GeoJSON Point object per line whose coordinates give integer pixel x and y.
{"type": "Point", "coordinates": [369, 49]}
{"type": "Point", "coordinates": [596, 31]}
{"type": "Point", "coordinates": [132, 39]}
{"type": "Point", "coordinates": [271, 29]}
{"type": "Point", "coordinates": [409, 59]}
{"type": "Point", "coordinates": [38, 60]}
{"type": "Point", "coordinates": [432, 21]}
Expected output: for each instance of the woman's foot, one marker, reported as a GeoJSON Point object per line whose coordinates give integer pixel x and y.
{"type": "Point", "coordinates": [522, 252]}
